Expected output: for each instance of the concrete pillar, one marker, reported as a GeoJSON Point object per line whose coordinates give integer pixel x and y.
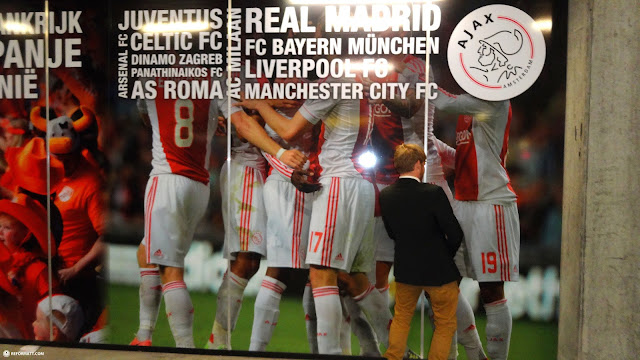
{"type": "Point", "coordinates": [600, 267]}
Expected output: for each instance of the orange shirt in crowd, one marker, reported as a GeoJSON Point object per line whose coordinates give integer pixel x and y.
{"type": "Point", "coordinates": [79, 199]}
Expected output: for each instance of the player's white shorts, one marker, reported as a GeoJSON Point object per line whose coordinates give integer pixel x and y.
{"type": "Point", "coordinates": [245, 229]}
{"type": "Point", "coordinates": [341, 230]}
{"type": "Point", "coordinates": [491, 240]}
{"type": "Point", "coordinates": [288, 217]}
{"type": "Point", "coordinates": [385, 246]}
{"type": "Point", "coordinates": [173, 206]}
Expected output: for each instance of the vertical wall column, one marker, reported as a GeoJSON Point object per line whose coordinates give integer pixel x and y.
{"type": "Point", "coordinates": [600, 270]}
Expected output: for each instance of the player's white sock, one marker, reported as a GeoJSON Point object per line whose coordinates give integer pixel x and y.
{"type": "Point", "coordinates": [150, 296]}
{"type": "Point", "coordinates": [310, 320]}
{"type": "Point", "coordinates": [362, 329]}
{"type": "Point", "coordinates": [385, 294]}
{"type": "Point", "coordinates": [229, 302]}
{"type": "Point", "coordinates": [373, 306]}
{"type": "Point", "coordinates": [329, 317]}
{"type": "Point", "coordinates": [498, 329]}
{"type": "Point", "coordinates": [467, 332]}
{"type": "Point", "coordinates": [266, 312]}
{"type": "Point", "coordinates": [345, 329]}
{"type": "Point", "coordinates": [179, 312]}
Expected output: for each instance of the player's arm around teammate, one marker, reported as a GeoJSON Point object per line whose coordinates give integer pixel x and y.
{"type": "Point", "coordinates": [249, 129]}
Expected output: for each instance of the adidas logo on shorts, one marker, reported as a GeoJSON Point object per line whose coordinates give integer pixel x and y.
{"type": "Point", "coordinates": [339, 257]}
{"type": "Point", "coordinates": [158, 253]}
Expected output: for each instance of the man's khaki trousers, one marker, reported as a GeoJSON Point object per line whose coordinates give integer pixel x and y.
{"type": "Point", "coordinates": [443, 299]}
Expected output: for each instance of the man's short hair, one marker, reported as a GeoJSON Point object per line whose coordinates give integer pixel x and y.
{"type": "Point", "coordinates": [406, 156]}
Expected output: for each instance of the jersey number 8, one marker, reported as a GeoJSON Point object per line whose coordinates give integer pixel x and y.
{"type": "Point", "coordinates": [184, 123]}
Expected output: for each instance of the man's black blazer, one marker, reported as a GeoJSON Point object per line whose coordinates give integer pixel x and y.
{"type": "Point", "coordinates": [419, 218]}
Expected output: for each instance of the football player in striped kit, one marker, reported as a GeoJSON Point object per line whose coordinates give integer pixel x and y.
{"type": "Point", "coordinates": [288, 216]}
{"type": "Point", "coordinates": [176, 198]}
{"type": "Point", "coordinates": [340, 232]}
{"type": "Point", "coordinates": [244, 214]}
{"type": "Point", "coordinates": [485, 205]}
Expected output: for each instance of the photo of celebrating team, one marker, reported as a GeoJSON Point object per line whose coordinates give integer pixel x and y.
{"type": "Point", "coordinates": [328, 171]}
{"type": "Point", "coordinates": [300, 193]}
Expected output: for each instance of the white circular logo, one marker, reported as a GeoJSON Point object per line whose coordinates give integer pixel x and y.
{"type": "Point", "coordinates": [5, 353]}
{"type": "Point", "coordinates": [496, 52]}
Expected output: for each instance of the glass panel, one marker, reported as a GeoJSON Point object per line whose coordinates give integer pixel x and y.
{"type": "Point", "coordinates": [27, 246]}
{"type": "Point", "coordinates": [76, 129]}
{"type": "Point", "coordinates": [168, 71]}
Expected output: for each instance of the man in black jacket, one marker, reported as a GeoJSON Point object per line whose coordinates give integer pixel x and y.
{"type": "Point", "coordinates": [419, 218]}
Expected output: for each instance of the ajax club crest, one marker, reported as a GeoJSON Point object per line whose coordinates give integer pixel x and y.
{"type": "Point", "coordinates": [496, 52]}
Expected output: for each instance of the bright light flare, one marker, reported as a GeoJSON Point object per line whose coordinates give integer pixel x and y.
{"type": "Point", "coordinates": [190, 26]}
{"type": "Point", "coordinates": [367, 160]}
{"type": "Point", "coordinates": [18, 28]}
{"type": "Point", "coordinates": [544, 25]}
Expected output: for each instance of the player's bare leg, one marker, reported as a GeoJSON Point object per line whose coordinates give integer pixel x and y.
{"type": "Point", "coordinates": [150, 295]}
{"type": "Point", "coordinates": [229, 300]}
{"type": "Point", "coordinates": [178, 305]}
{"type": "Point", "coordinates": [383, 268]}
{"type": "Point", "coordinates": [371, 302]}
{"type": "Point", "coordinates": [267, 306]}
{"type": "Point", "coordinates": [498, 327]}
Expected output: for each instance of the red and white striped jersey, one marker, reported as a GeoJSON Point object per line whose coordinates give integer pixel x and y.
{"type": "Point", "coordinates": [482, 137]}
{"type": "Point", "coordinates": [414, 73]}
{"type": "Point", "coordinates": [345, 125]}
{"type": "Point", "coordinates": [182, 132]}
